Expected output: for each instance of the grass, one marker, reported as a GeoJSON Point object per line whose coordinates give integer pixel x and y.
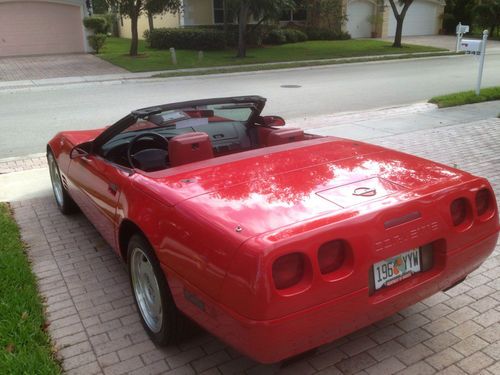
{"type": "Point", "coordinates": [116, 52]}
{"type": "Point", "coordinates": [25, 347]}
{"type": "Point", "coordinates": [467, 97]}
{"type": "Point", "coordinates": [297, 64]}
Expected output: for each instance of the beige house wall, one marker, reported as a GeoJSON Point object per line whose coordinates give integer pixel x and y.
{"type": "Point", "coordinates": [164, 20]}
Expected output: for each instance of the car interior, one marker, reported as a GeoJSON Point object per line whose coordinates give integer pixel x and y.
{"type": "Point", "coordinates": [182, 136]}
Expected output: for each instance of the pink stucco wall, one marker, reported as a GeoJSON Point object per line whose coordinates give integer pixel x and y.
{"type": "Point", "coordinates": [38, 27]}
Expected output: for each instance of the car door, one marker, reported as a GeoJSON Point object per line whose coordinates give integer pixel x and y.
{"type": "Point", "coordinates": [95, 185]}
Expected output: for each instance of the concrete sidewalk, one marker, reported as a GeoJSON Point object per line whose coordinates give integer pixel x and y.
{"type": "Point", "coordinates": [95, 326]}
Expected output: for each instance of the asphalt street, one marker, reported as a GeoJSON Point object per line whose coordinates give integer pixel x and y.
{"type": "Point", "coordinates": [30, 117]}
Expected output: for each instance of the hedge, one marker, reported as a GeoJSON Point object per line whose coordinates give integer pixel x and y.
{"type": "Point", "coordinates": [189, 38]}
{"type": "Point", "coordinates": [294, 35]}
{"type": "Point", "coordinates": [326, 34]}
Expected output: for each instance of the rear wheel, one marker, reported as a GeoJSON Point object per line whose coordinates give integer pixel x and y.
{"type": "Point", "coordinates": [160, 317]}
{"type": "Point", "coordinates": [64, 202]}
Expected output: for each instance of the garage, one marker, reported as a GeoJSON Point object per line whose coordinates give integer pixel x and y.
{"type": "Point", "coordinates": [359, 18]}
{"type": "Point", "coordinates": [422, 18]}
{"type": "Point", "coordinates": [41, 27]}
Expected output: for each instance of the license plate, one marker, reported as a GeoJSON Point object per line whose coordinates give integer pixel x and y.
{"type": "Point", "coordinates": [395, 269]}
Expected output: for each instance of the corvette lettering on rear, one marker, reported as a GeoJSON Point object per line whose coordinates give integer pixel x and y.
{"type": "Point", "coordinates": [401, 238]}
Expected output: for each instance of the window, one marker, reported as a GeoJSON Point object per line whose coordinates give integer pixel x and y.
{"type": "Point", "coordinates": [218, 11]}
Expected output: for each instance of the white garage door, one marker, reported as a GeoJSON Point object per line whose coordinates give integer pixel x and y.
{"type": "Point", "coordinates": [421, 19]}
{"type": "Point", "coordinates": [359, 18]}
{"type": "Point", "coordinates": [35, 28]}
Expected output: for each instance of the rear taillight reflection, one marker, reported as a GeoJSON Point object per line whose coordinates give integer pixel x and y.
{"type": "Point", "coordinates": [288, 270]}
{"type": "Point", "coordinates": [458, 211]}
{"type": "Point", "coordinates": [483, 201]}
{"type": "Point", "coordinates": [331, 256]}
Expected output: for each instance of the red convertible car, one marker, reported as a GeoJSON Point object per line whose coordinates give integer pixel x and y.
{"type": "Point", "coordinates": [274, 240]}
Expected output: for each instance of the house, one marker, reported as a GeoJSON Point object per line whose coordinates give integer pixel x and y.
{"type": "Point", "coordinates": [365, 18]}
{"type": "Point", "coordinates": [35, 27]}
{"type": "Point", "coordinates": [194, 13]}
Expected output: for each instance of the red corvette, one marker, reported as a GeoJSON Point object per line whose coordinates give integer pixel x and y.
{"type": "Point", "coordinates": [274, 240]}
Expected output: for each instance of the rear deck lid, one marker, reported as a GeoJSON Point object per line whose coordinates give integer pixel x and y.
{"type": "Point", "coordinates": [360, 192]}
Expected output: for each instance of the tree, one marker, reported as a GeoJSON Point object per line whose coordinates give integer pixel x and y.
{"type": "Point", "coordinates": [399, 19]}
{"type": "Point", "coordinates": [333, 13]}
{"type": "Point", "coordinates": [457, 11]}
{"type": "Point", "coordinates": [487, 14]}
{"type": "Point", "coordinates": [313, 9]}
{"type": "Point", "coordinates": [134, 8]}
{"type": "Point", "coordinates": [153, 7]}
{"type": "Point", "coordinates": [259, 10]}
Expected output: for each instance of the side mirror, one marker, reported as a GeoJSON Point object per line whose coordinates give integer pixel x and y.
{"type": "Point", "coordinates": [273, 121]}
{"type": "Point", "coordinates": [80, 150]}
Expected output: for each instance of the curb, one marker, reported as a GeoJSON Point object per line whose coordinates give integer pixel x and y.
{"type": "Point", "coordinates": [151, 76]}
{"type": "Point", "coordinates": [22, 163]}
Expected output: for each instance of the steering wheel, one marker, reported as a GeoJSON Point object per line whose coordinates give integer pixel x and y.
{"type": "Point", "coordinates": [154, 155]}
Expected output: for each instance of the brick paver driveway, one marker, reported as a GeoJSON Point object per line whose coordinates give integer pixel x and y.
{"type": "Point", "coordinates": [97, 330]}
{"type": "Point", "coordinates": [54, 66]}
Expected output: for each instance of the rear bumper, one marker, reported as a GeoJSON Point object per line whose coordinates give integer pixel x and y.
{"type": "Point", "coordinates": [274, 340]}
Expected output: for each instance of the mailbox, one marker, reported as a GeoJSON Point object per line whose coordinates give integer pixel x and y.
{"type": "Point", "coordinates": [471, 46]}
{"type": "Point", "coordinates": [462, 29]}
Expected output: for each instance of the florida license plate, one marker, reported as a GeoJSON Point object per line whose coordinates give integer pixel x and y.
{"type": "Point", "coordinates": [395, 269]}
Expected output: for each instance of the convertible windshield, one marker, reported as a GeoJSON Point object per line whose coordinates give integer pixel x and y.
{"type": "Point", "coordinates": [195, 116]}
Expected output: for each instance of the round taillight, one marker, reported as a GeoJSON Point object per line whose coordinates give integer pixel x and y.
{"type": "Point", "coordinates": [458, 210]}
{"type": "Point", "coordinates": [288, 270]}
{"type": "Point", "coordinates": [483, 201]}
{"type": "Point", "coordinates": [331, 256]}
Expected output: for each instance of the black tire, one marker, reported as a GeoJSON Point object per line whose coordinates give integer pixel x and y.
{"type": "Point", "coordinates": [167, 329]}
{"type": "Point", "coordinates": [64, 202]}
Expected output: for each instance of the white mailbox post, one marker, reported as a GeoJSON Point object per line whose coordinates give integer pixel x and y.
{"type": "Point", "coordinates": [476, 47]}
{"type": "Point", "coordinates": [460, 31]}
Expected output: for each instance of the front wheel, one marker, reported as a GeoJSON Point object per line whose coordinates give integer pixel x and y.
{"type": "Point", "coordinates": [159, 315]}
{"type": "Point", "coordinates": [64, 202]}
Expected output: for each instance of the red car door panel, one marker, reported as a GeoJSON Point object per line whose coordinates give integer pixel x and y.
{"type": "Point", "coordinates": [95, 186]}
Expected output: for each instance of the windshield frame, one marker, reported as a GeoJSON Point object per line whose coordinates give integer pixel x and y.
{"type": "Point", "coordinates": [127, 121]}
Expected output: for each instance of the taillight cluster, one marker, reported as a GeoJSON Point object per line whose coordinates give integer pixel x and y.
{"type": "Point", "coordinates": [461, 210]}
{"type": "Point", "coordinates": [293, 269]}
{"type": "Point", "coordinates": [484, 202]}
{"type": "Point", "coordinates": [288, 270]}
{"type": "Point", "coordinates": [331, 256]}
{"type": "Point", "coordinates": [458, 210]}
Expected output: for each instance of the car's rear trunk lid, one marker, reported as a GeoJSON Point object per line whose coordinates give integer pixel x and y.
{"type": "Point", "coordinates": [254, 192]}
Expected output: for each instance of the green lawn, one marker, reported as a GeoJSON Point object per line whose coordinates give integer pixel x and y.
{"type": "Point", "coordinates": [467, 97]}
{"type": "Point", "coordinates": [116, 52]}
{"type": "Point", "coordinates": [24, 346]}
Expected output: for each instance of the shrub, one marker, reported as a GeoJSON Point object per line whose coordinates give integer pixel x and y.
{"type": "Point", "coordinates": [276, 36]}
{"type": "Point", "coordinates": [147, 37]}
{"type": "Point", "coordinates": [189, 38]}
{"type": "Point", "coordinates": [97, 41]}
{"type": "Point", "coordinates": [97, 23]}
{"type": "Point", "coordinates": [294, 35]}
{"type": "Point", "coordinates": [326, 34]}
{"type": "Point", "coordinates": [254, 37]}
